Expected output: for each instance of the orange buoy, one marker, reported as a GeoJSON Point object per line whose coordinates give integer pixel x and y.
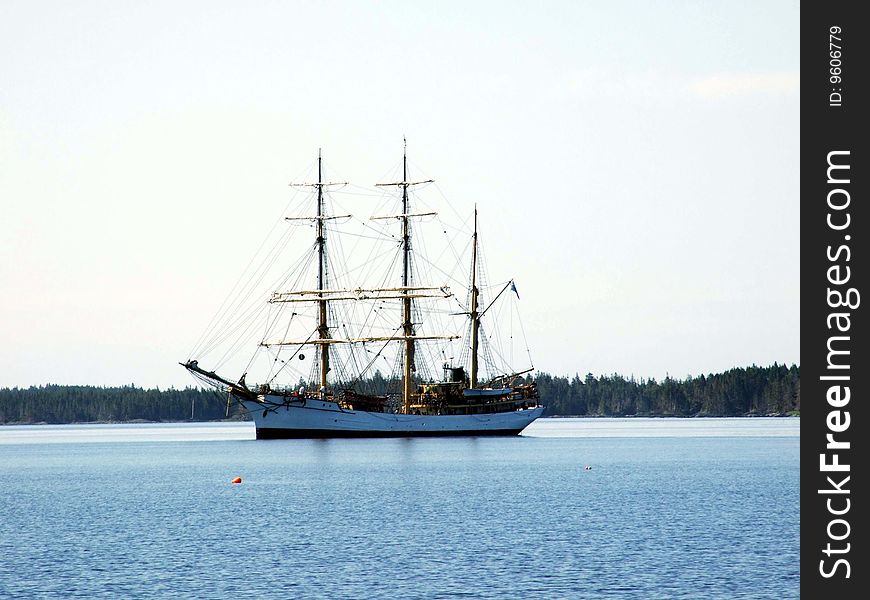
{"type": "Point", "coordinates": [237, 480]}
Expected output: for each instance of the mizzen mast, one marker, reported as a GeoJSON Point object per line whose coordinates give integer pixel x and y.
{"type": "Point", "coordinates": [475, 317]}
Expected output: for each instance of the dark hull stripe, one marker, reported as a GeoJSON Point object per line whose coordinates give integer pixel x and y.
{"type": "Point", "coordinates": [284, 434]}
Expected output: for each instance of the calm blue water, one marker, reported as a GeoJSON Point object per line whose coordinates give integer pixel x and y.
{"type": "Point", "coordinates": [700, 508]}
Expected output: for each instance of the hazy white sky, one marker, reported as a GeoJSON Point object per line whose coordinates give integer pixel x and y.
{"type": "Point", "coordinates": [636, 164]}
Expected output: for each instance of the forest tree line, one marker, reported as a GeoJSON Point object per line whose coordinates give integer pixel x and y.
{"type": "Point", "coordinates": [86, 404]}
{"type": "Point", "coordinates": [773, 390]}
{"type": "Point", "coordinates": [736, 392]}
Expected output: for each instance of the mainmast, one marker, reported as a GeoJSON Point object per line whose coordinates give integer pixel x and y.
{"type": "Point", "coordinates": [407, 325]}
{"type": "Point", "coordinates": [407, 296]}
{"type": "Point", "coordinates": [475, 317]}
{"type": "Point", "coordinates": [323, 326]}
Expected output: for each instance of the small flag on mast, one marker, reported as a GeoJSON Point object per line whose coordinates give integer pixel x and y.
{"type": "Point", "coordinates": [514, 288]}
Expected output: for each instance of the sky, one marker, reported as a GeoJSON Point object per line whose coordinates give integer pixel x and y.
{"type": "Point", "coordinates": [635, 165]}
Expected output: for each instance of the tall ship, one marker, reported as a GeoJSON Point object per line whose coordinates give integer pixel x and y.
{"type": "Point", "coordinates": [367, 294]}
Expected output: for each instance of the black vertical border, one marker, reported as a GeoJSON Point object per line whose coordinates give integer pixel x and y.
{"type": "Point", "coordinates": [826, 128]}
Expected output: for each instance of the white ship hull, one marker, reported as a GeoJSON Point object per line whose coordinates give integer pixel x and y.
{"type": "Point", "coordinates": [315, 418]}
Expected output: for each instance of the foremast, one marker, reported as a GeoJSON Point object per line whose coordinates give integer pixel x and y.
{"type": "Point", "coordinates": [323, 334]}
{"type": "Point", "coordinates": [323, 325]}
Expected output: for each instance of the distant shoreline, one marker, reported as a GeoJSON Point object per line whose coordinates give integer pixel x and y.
{"type": "Point", "coordinates": [743, 416]}
{"type": "Point", "coordinates": [738, 392]}
{"type": "Point", "coordinates": [130, 422]}
{"type": "Point", "coordinates": [173, 422]}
